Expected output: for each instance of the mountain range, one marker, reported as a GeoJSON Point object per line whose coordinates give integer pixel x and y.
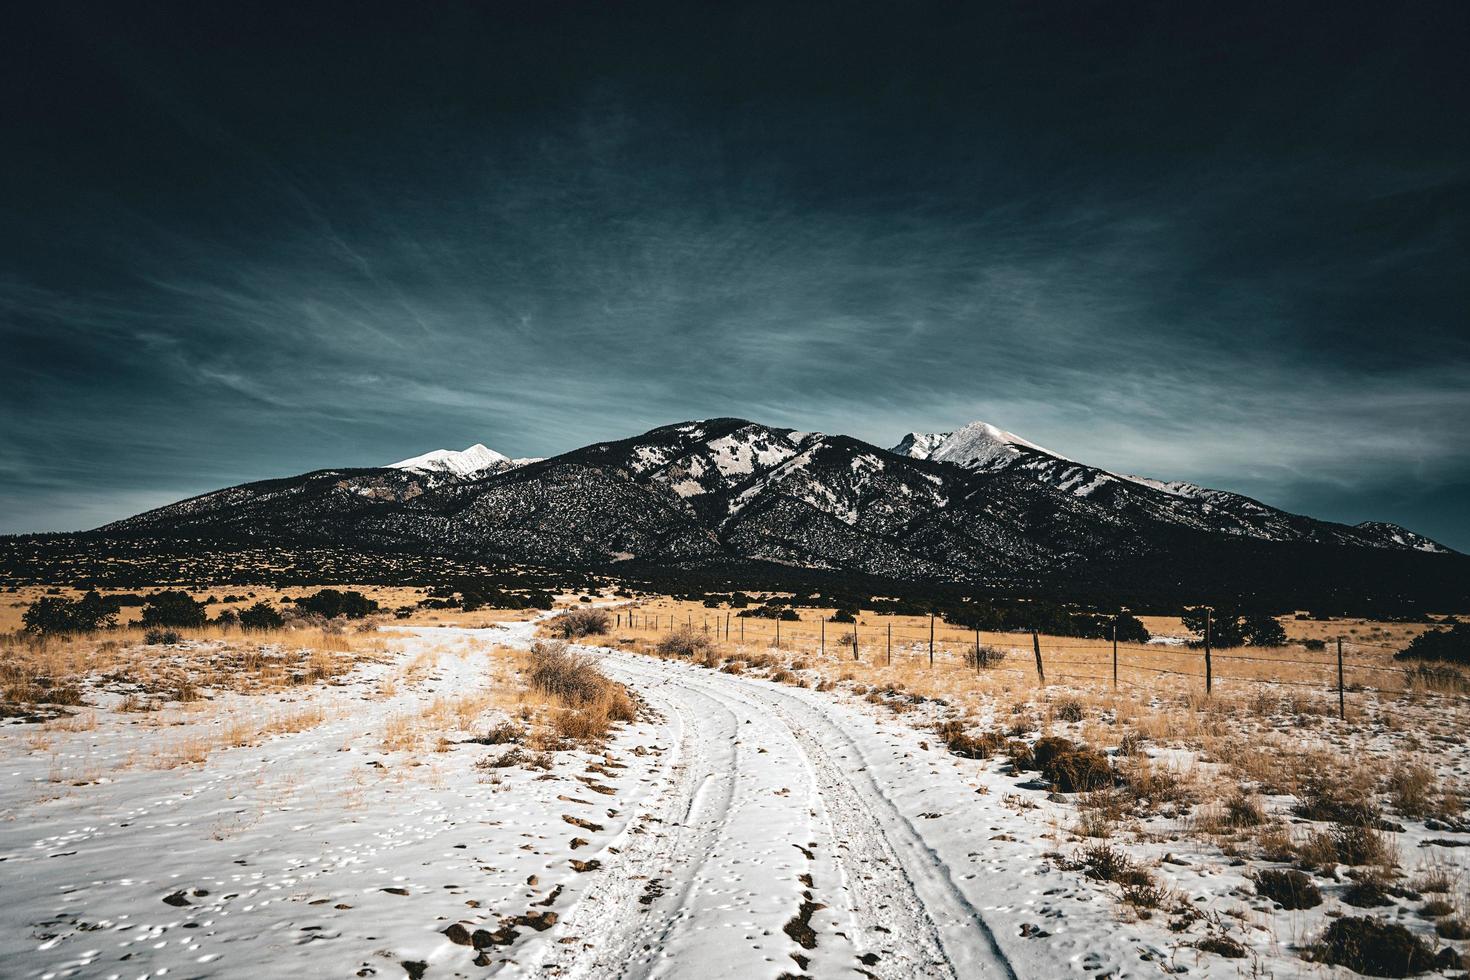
{"type": "Point", "coordinates": [978, 505]}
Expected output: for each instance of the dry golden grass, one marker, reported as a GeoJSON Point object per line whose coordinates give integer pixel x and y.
{"type": "Point", "coordinates": [51, 670]}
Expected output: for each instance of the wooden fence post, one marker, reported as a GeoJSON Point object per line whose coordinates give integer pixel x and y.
{"type": "Point", "coordinates": [1036, 645]}
{"type": "Point", "coordinates": [889, 649]}
{"type": "Point", "coordinates": [1341, 698]}
{"type": "Point", "coordinates": [742, 629]}
{"type": "Point", "coordinates": [931, 639]}
{"type": "Point", "coordinates": [977, 649]}
{"type": "Point", "coordinates": [823, 649]}
{"type": "Point", "coordinates": [855, 624]}
{"type": "Point", "coordinates": [778, 632]}
{"type": "Point", "coordinates": [1115, 656]}
{"type": "Point", "coordinates": [727, 625]}
{"type": "Point", "coordinates": [1209, 668]}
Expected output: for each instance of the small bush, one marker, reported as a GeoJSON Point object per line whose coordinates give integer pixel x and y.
{"type": "Point", "coordinates": [1070, 766]}
{"type": "Point", "coordinates": [1102, 862]}
{"type": "Point", "coordinates": [156, 636]}
{"type": "Point", "coordinates": [988, 657]}
{"type": "Point", "coordinates": [1358, 845]}
{"type": "Point", "coordinates": [173, 608]}
{"type": "Point", "coordinates": [1222, 946]}
{"type": "Point", "coordinates": [558, 672]}
{"type": "Point", "coordinates": [968, 746]}
{"type": "Point", "coordinates": [505, 733]}
{"type": "Point", "coordinates": [331, 603]}
{"type": "Point", "coordinates": [261, 616]}
{"type": "Point", "coordinates": [50, 615]}
{"type": "Point", "coordinates": [581, 622]}
{"type": "Point", "coordinates": [685, 641]}
{"type": "Point", "coordinates": [1242, 810]}
{"type": "Point", "coordinates": [1366, 893]}
{"type": "Point", "coordinates": [516, 756]}
{"type": "Point", "coordinates": [1288, 888]}
{"type": "Point", "coordinates": [1374, 947]}
{"type": "Point", "coordinates": [1327, 796]}
{"type": "Point", "coordinates": [1451, 645]}
{"type": "Point", "coordinates": [1069, 709]}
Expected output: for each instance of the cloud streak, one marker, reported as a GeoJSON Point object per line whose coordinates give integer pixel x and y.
{"type": "Point", "coordinates": [574, 256]}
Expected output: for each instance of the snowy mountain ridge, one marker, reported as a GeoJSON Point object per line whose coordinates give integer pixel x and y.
{"type": "Point", "coordinates": [476, 461]}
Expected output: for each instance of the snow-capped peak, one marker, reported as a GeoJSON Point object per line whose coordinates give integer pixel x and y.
{"type": "Point", "coordinates": [477, 460]}
{"type": "Point", "coordinates": [977, 446]}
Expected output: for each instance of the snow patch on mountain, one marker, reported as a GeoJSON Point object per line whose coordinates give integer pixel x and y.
{"type": "Point", "coordinates": [477, 460]}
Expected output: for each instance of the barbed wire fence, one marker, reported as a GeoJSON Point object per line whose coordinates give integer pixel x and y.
{"type": "Point", "coordinates": [1047, 659]}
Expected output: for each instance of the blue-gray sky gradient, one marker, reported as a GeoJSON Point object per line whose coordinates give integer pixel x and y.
{"type": "Point", "coordinates": [1224, 245]}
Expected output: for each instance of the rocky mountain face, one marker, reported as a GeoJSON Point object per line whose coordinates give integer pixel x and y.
{"type": "Point", "coordinates": [979, 505]}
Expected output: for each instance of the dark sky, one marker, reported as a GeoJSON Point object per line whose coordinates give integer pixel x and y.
{"type": "Point", "coordinates": [1221, 242]}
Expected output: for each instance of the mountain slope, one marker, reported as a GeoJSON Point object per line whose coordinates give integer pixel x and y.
{"type": "Point", "coordinates": [977, 505]}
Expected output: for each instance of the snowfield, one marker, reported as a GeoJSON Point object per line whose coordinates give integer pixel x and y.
{"type": "Point", "coordinates": [741, 828]}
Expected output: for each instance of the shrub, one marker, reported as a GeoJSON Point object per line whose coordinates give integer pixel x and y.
{"type": "Point", "coordinates": [1451, 645]}
{"type": "Point", "coordinates": [685, 641]}
{"type": "Point", "coordinates": [505, 733]}
{"type": "Point", "coordinates": [1328, 796]}
{"type": "Point", "coordinates": [1264, 631]}
{"type": "Point", "coordinates": [1289, 888]}
{"type": "Point", "coordinates": [968, 746]}
{"type": "Point", "coordinates": [988, 657]}
{"type": "Point", "coordinates": [156, 636]}
{"type": "Point", "coordinates": [261, 616]}
{"type": "Point", "coordinates": [1374, 947]}
{"type": "Point", "coordinates": [332, 603]}
{"type": "Point", "coordinates": [558, 672]}
{"type": "Point", "coordinates": [1069, 709]}
{"type": "Point", "coordinates": [173, 608]}
{"type": "Point", "coordinates": [1242, 810]}
{"type": "Point", "coordinates": [1366, 893]}
{"type": "Point", "coordinates": [1357, 845]}
{"type": "Point", "coordinates": [844, 616]}
{"type": "Point", "coordinates": [1071, 767]}
{"type": "Point", "coordinates": [1130, 628]}
{"type": "Point", "coordinates": [1102, 862]}
{"type": "Point", "coordinates": [591, 703]}
{"type": "Point", "coordinates": [581, 622]}
{"type": "Point", "coordinates": [50, 615]}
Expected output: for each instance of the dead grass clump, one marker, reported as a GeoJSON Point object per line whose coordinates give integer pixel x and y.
{"type": "Point", "coordinates": [968, 746]}
{"type": "Point", "coordinates": [1289, 888]}
{"type": "Point", "coordinates": [1243, 810]}
{"type": "Point", "coordinates": [1374, 947]}
{"type": "Point", "coordinates": [685, 641]}
{"type": "Point", "coordinates": [782, 676]}
{"type": "Point", "coordinates": [559, 672]}
{"type": "Point", "coordinates": [1357, 845]}
{"type": "Point", "coordinates": [505, 733]}
{"type": "Point", "coordinates": [581, 622]}
{"type": "Point", "coordinates": [1338, 797]}
{"type": "Point", "coordinates": [516, 756]}
{"type": "Point", "coordinates": [1438, 679]}
{"type": "Point", "coordinates": [1071, 766]}
{"type": "Point", "coordinates": [590, 703]}
{"type": "Point", "coordinates": [1102, 862]}
{"type": "Point", "coordinates": [1068, 709]}
{"type": "Point", "coordinates": [1414, 790]}
{"type": "Point", "coordinates": [987, 657]}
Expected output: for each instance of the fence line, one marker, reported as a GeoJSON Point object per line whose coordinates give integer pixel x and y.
{"type": "Point", "coordinates": [948, 647]}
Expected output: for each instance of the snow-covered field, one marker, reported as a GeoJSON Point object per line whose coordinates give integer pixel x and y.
{"type": "Point", "coordinates": [741, 828]}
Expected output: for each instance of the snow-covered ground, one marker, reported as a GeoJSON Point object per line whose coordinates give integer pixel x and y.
{"type": "Point", "coordinates": [741, 828]}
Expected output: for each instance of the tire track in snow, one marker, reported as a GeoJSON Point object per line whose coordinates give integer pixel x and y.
{"type": "Point", "coordinates": [619, 924]}
{"type": "Point", "coordinates": [891, 877]}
